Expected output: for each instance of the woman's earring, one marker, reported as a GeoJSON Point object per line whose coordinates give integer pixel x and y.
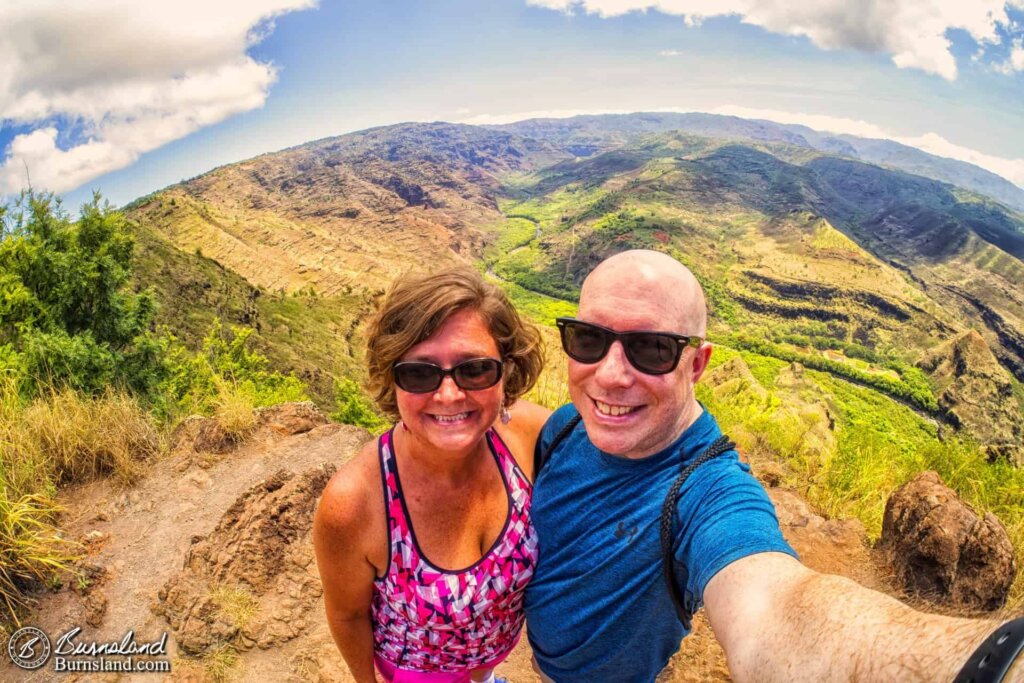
{"type": "Point", "coordinates": [506, 416]}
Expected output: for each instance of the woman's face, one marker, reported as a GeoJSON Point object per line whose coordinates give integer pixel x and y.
{"type": "Point", "coordinates": [451, 418]}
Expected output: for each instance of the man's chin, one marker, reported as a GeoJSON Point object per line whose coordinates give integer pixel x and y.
{"type": "Point", "coordinates": [618, 442]}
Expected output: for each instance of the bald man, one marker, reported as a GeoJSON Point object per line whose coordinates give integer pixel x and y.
{"type": "Point", "coordinates": [598, 607]}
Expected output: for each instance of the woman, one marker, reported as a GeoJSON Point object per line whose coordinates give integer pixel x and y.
{"type": "Point", "coordinates": [423, 540]}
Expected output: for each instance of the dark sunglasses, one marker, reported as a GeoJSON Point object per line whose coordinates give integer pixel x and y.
{"type": "Point", "coordinates": [418, 377]}
{"type": "Point", "coordinates": [653, 353]}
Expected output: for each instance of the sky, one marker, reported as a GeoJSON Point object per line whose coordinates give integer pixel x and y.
{"type": "Point", "coordinates": [126, 97]}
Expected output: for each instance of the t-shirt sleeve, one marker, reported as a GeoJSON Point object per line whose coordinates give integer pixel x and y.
{"type": "Point", "coordinates": [724, 515]}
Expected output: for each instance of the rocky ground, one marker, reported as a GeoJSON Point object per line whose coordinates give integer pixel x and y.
{"type": "Point", "coordinates": [213, 547]}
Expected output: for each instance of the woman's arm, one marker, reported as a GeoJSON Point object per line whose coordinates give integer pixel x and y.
{"type": "Point", "coordinates": [343, 534]}
{"type": "Point", "coordinates": [522, 431]}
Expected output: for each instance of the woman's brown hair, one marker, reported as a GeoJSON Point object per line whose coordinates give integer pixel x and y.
{"type": "Point", "coordinates": [417, 305]}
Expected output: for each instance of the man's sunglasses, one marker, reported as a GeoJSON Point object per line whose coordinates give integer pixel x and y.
{"type": "Point", "coordinates": [653, 353]}
{"type": "Point", "coordinates": [419, 377]}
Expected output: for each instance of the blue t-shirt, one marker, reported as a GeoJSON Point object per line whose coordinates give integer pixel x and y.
{"type": "Point", "coordinates": [598, 609]}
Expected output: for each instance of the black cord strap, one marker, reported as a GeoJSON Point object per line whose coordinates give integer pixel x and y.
{"type": "Point", "coordinates": [540, 458]}
{"type": "Point", "coordinates": [995, 656]}
{"type": "Point", "coordinates": [721, 445]}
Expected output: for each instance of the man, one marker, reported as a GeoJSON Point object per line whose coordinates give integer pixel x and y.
{"type": "Point", "coordinates": [598, 608]}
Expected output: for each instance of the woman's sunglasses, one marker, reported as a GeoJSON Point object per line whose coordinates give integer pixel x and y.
{"type": "Point", "coordinates": [419, 377]}
{"type": "Point", "coordinates": [653, 353]}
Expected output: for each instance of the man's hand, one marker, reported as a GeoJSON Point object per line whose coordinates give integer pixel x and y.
{"type": "Point", "coordinates": [780, 621]}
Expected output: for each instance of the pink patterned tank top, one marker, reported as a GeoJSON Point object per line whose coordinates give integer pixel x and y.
{"type": "Point", "coordinates": [431, 619]}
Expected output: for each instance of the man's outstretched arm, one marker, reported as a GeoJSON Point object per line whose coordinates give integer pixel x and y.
{"type": "Point", "coordinates": [780, 621]}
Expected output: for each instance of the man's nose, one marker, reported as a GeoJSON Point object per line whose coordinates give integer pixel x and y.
{"type": "Point", "coordinates": [614, 370]}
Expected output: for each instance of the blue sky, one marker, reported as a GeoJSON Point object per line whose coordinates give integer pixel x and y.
{"type": "Point", "coordinates": [129, 97]}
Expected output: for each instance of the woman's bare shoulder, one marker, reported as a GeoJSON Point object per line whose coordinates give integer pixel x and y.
{"type": "Point", "coordinates": [521, 433]}
{"type": "Point", "coordinates": [350, 532]}
{"type": "Point", "coordinates": [353, 493]}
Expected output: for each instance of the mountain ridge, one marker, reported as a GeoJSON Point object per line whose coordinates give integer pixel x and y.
{"type": "Point", "coordinates": [606, 129]}
{"type": "Point", "coordinates": [339, 218]}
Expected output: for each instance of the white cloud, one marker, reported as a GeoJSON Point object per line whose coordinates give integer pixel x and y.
{"type": "Point", "coordinates": [911, 32]}
{"type": "Point", "coordinates": [1011, 169]}
{"type": "Point", "coordinates": [1015, 61]}
{"type": "Point", "coordinates": [131, 76]}
{"type": "Point", "coordinates": [670, 53]}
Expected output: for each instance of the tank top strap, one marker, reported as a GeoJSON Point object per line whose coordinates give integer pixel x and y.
{"type": "Point", "coordinates": [515, 478]}
{"type": "Point", "coordinates": [398, 523]}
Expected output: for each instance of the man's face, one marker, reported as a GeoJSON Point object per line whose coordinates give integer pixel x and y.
{"type": "Point", "coordinates": [627, 412]}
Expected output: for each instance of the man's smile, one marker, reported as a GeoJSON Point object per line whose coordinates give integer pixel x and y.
{"type": "Point", "coordinates": [615, 409]}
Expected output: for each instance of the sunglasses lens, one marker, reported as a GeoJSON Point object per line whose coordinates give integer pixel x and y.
{"type": "Point", "coordinates": [472, 375]}
{"type": "Point", "coordinates": [653, 353]}
{"type": "Point", "coordinates": [584, 343]}
{"type": "Point", "coordinates": [418, 378]}
{"type": "Point", "coordinates": [481, 373]}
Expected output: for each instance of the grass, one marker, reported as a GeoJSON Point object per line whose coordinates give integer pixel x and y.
{"type": "Point", "coordinates": [235, 410]}
{"type": "Point", "coordinates": [61, 438]}
{"type": "Point", "coordinates": [879, 446]}
{"type": "Point", "coordinates": [215, 666]}
{"type": "Point", "coordinates": [32, 550]}
{"type": "Point", "coordinates": [65, 437]}
{"type": "Point", "coordinates": [236, 603]}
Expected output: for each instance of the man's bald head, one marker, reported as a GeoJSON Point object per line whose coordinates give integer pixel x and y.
{"type": "Point", "coordinates": [627, 410]}
{"type": "Point", "coordinates": [641, 274]}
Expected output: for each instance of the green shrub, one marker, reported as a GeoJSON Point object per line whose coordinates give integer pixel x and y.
{"type": "Point", "coordinates": [65, 317]}
{"type": "Point", "coordinates": [226, 368]}
{"type": "Point", "coordinates": [354, 408]}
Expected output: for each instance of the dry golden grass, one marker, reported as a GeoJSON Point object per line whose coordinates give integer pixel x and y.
{"type": "Point", "coordinates": [235, 411]}
{"type": "Point", "coordinates": [64, 437]}
{"type": "Point", "coordinates": [235, 602]}
{"type": "Point", "coordinates": [60, 438]}
{"type": "Point", "coordinates": [31, 549]}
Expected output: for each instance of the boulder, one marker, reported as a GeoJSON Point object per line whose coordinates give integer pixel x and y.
{"type": "Point", "coordinates": [938, 548]}
{"type": "Point", "coordinates": [253, 580]}
{"type": "Point", "coordinates": [211, 437]}
{"type": "Point", "coordinates": [291, 418]}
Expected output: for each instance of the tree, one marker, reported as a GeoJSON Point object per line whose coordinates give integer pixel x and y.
{"type": "Point", "coordinates": [65, 316]}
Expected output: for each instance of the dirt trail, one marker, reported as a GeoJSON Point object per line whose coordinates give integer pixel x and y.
{"type": "Point", "coordinates": [142, 536]}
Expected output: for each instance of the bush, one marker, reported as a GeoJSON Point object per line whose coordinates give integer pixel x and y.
{"type": "Point", "coordinates": [65, 319]}
{"type": "Point", "coordinates": [225, 370]}
{"type": "Point", "coordinates": [354, 408]}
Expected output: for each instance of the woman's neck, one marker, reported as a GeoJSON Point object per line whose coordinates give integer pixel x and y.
{"type": "Point", "coordinates": [450, 466]}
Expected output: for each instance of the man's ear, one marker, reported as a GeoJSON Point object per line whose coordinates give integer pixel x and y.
{"type": "Point", "coordinates": [700, 361]}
